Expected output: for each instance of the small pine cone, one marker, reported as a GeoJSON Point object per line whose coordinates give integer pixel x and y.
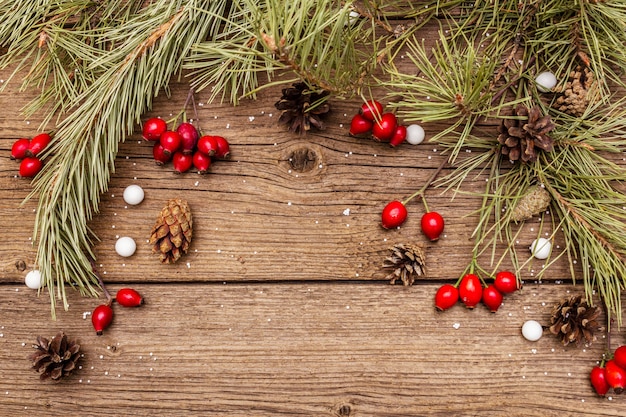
{"type": "Point", "coordinates": [407, 262]}
{"type": "Point", "coordinates": [302, 108]}
{"type": "Point", "coordinates": [574, 320]}
{"type": "Point", "coordinates": [56, 358]}
{"type": "Point", "coordinates": [580, 90]}
{"type": "Point", "coordinates": [171, 234]}
{"type": "Point", "coordinates": [535, 201]}
{"type": "Point", "coordinates": [520, 138]}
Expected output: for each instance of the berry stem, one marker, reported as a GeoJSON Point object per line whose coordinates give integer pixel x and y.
{"type": "Point", "coordinates": [421, 191]}
{"type": "Point", "coordinates": [101, 282]}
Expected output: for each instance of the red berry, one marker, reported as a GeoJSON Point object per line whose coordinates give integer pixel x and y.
{"type": "Point", "coordinates": [447, 296]}
{"type": "Point", "coordinates": [223, 148]}
{"type": "Point", "coordinates": [171, 141]}
{"type": "Point", "coordinates": [371, 110]}
{"type": "Point", "coordinates": [208, 145]}
{"type": "Point", "coordinates": [598, 381]}
{"type": "Point", "coordinates": [398, 137]}
{"type": "Point", "coordinates": [153, 128]}
{"type": "Point", "coordinates": [394, 214]}
{"type": "Point", "coordinates": [506, 282]}
{"type": "Point", "coordinates": [189, 136]}
{"type": "Point", "coordinates": [360, 125]}
{"type": "Point", "coordinates": [101, 318]}
{"type": "Point", "coordinates": [492, 298]}
{"type": "Point", "coordinates": [201, 162]}
{"type": "Point", "coordinates": [385, 127]}
{"type": "Point", "coordinates": [19, 148]}
{"type": "Point", "coordinates": [38, 144]}
{"type": "Point", "coordinates": [615, 376]}
{"type": "Point", "coordinates": [158, 152]}
{"type": "Point", "coordinates": [470, 290]}
{"type": "Point", "coordinates": [619, 356]}
{"type": "Point", "coordinates": [128, 297]}
{"type": "Point", "coordinates": [182, 162]}
{"type": "Point", "coordinates": [30, 166]}
{"type": "Point", "coordinates": [432, 225]}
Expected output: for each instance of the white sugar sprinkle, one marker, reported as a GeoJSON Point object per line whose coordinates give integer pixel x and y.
{"type": "Point", "coordinates": [456, 325]}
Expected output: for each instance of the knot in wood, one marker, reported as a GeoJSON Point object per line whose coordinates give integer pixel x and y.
{"type": "Point", "coordinates": [20, 265]}
{"type": "Point", "coordinates": [344, 411]}
{"type": "Point", "coordinates": [303, 159]}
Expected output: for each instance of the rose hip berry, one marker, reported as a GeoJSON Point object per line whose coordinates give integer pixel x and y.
{"type": "Point", "coordinates": [398, 137]}
{"type": "Point", "coordinates": [189, 136]}
{"type": "Point", "coordinates": [446, 297]}
{"type": "Point", "coordinates": [615, 376]}
{"type": "Point", "coordinates": [208, 145]}
{"type": "Point", "coordinates": [619, 356]}
{"type": "Point", "coordinates": [30, 166]}
{"type": "Point", "coordinates": [470, 290]}
{"type": "Point", "coordinates": [598, 381]}
{"type": "Point", "coordinates": [38, 144]}
{"type": "Point", "coordinates": [223, 148]}
{"type": "Point", "coordinates": [19, 148]}
{"type": "Point", "coordinates": [492, 298]}
{"type": "Point", "coordinates": [393, 215]}
{"type": "Point", "coordinates": [153, 128]}
{"type": "Point", "coordinates": [170, 141]}
{"type": "Point", "coordinates": [128, 297]}
{"type": "Point", "coordinates": [385, 127]}
{"type": "Point", "coordinates": [158, 152]}
{"type": "Point", "coordinates": [360, 125]}
{"type": "Point", "coordinates": [201, 162]}
{"type": "Point", "coordinates": [506, 282]}
{"type": "Point", "coordinates": [182, 162]}
{"type": "Point", "coordinates": [371, 110]}
{"type": "Point", "coordinates": [432, 225]}
{"type": "Point", "coordinates": [101, 318]}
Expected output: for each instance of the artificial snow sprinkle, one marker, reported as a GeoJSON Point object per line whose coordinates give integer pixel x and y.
{"type": "Point", "coordinates": [346, 212]}
{"type": "Point", "coordinates": [456, 325]}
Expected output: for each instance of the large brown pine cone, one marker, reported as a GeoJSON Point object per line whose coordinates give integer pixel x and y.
{"type": "Point", "coordinates": [522, 137]}
{"type": "Point", "coordinates": [171, 234]}
{"type": "Point", "coordinates": [55, 358]}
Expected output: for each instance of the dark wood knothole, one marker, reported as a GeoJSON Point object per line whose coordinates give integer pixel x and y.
{"type": "Point", "coordinates": [303, 159]}
{"type": "Point", "coordinates": [20, 265]}
{"type": "Point", "coordinates": [344, 410]}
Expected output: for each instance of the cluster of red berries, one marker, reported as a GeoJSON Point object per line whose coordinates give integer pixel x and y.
{"type": "Point", "coordinates": [102, 316]}
{"type": "Point", "coordinates": [610, 374]}
{"type": "Point", "coordinates": [27, 150]}
{"type": "Point", "coordinates": [471, 290]}
{"type": "Point", "coordinates": [395, 213]}
{"type": "Point", "coordinates": [383, 127]}
{"type": "Point", "coordinates": [184, 146]}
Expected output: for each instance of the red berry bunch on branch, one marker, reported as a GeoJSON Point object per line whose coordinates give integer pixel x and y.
{"type": "Point", "coordinates": [28, 151]}
{"type": "Point", "coordinates": [382, 127]}
{"type": "Point", "coordinates": [610, 374]}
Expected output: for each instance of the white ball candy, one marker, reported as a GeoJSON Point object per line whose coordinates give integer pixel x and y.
{"type": "Point", "coordinates": [532, 330]}
{"type": "Point", "coordinates": [133, 194]}
{"type": "Point", "coordinates": [33, 280]}
{"type": "Point", "coordinates": [415, 134]}
{"type": "Point", "coordinates": [125, 246]}
{"type": "Point", "coordinates": [541, 248]}
{"type": "Point", "coordinates": [545, 81]}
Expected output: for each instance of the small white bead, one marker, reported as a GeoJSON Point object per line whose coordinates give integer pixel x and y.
{"type": "Point", "coordinates": [133, 194]}
{"type": "Point", "coordinates": [545, 81]}
{"type": "Point", "coordinates": [541, 248]}
{"type": "Point", "coordinates": [125, 246]}
{"type": "Point", "coordinates": [532, 330]}
{"type": "Point", "coordinates": [415, 134]}
{"type": "Point", "coordinates": [33, 279]}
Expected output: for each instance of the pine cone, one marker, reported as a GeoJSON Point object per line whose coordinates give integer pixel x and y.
{"type": "Point", "coordinates": [171, 234]}
{"type": "Point", "coordinates": [535, 201]}
{"type": "Point", "coordinates": [56, 358]}
{"type": "Point", "coordinates": [580, 90]}
{"type": "Point", "coordinates": [301, 107]}
{"type": "Point", "coordinates": [520, 138]}
{"type": "Point", "coordinates": [574, 320]}
{"type": "Point", "coordinates": [407, 261]}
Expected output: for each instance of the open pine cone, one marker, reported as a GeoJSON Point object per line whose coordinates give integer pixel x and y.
{"type": "Point", "coordinates": [580, 90]}
{"type": "Point", "coordinates": [574, 320]}
{"type": "Point", "coordinates": [301, 108]}
{"type": "Point", "coordinates": [407, 262]}
{"type": "Point", "coordinates": [520, 138]}
{"type": "Point", "coordinates": [55, 358]}
{"type": "Point", "coordinates": [171, 234]}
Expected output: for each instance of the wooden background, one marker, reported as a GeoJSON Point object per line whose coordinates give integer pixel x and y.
{"type": "Point", "coordinates": [281, 307]}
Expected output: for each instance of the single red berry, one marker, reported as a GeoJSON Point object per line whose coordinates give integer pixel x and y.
{"type": "Point", "coordinates": [470, 290]}
{"type": "Point", "coordinates": [223, 148]}
{"type": "Point", "coordinates": [371, 110]}
{"type": "Point", "coordinates": [506, 282]}
{"type": "Point", "coordinates": [492, 298]}
{"type": "Point", "coordinates": [182, 162]}
{"type": "Point", "coordinates": [598, 381]}
{"type": "Point", "coordinates": [615, 376]}
{"type": "Point", "coordinates": [619, 356]}
{"type": "Point", "coordinates": [30, 166]}
{"type": "Point", "coordinates": [158, 152]}
{"type": "Point", "coordinates": [394, 214]}
{"type": "Point", "coordinates": [38, 144]}
{"type": "Point", "coordinates": [360, 125]}
{"type": "Point", "coordinates": [446, 297]}
{"type": "Point", "coordinates": [101, 318]}
{"type": "Point", "coordinates": [153, 128]}
{"type": "Point", "coordinates": [19, 148]}
{"type": "Point", "coordinates": [128, 297]}
{"type": "Point", "coordinates": [385, 127]}
{"type": "Point", "coordinates": [171, 141]}
{"type": "Point", "coordinates": [432, 225]}
{"type": "Point", "coordinates": [208, 145]}
{"type": "Point", "coordinates": [398, 137]}
{"type": "Point", "coordinates": [189, 136]}
{"type": "Point", "coordinates": [201, 162]}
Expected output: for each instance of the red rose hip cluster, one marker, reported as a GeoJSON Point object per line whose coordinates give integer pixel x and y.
{"type": "Point", "coordinates": [184, 147]}
{"type": "Point", "coordinates": [383, 127]}
{"type": "Point", "coordinates": [28, 150]}
{"type": "Point", "coordinates": [102, 316]}
{"type": "Point", "coordinates": [610, 374]}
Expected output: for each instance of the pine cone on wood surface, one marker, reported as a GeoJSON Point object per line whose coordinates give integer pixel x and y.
{"type": "Point", "coordinates": [407, 262]}
{"type": "Point", "coordinates": [171, 234]}
{"type": "Point", "coordinates": [522, 137]}
{"type": "Point", "coordinates": [55, 358]}
{"type": "Point", "coordinates": [302, 108]}
{"type": "Point", "coordinates": [574, 321]}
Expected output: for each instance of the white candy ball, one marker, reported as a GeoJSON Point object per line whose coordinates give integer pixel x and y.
{"type": "Point", "coordinates": [133, 194]}
{"type": "Point", "coordinates": [33, 280]}
{"type": "Point", "coordinates": [415, 134]}
{"type": "Point", "coordinates": [532, 330]}
{"type": "Point", "coordinates": [541, 248]}
{"type": "Point", "coordinates": [545, 81]}
{"type": "Point", "coordinates": [125, 246]}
